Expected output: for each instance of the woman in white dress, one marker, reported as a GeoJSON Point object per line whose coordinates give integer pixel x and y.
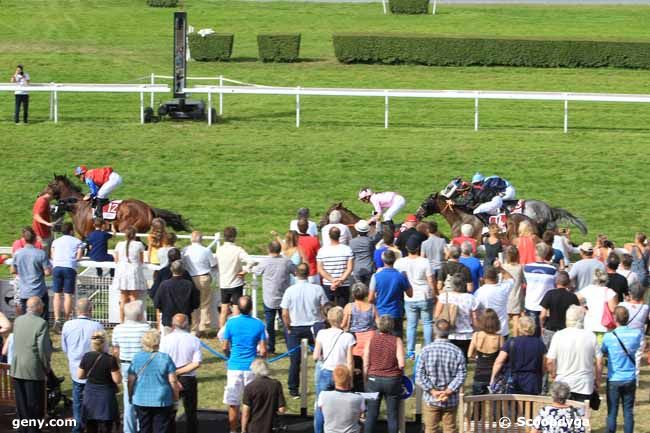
{"type": "Point", "coordinates": [594, 297]}
{"type": "Point", "coordinates": [129, 278]}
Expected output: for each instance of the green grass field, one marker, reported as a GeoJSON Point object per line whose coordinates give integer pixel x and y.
{"type": "Point", "coordinates": [255, 168]}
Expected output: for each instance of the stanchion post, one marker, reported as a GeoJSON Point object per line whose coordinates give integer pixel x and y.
{"type": "Point", "coordinates": [56, 106]}
{"type": "Point", "coordinates": [383, 3]}
{"type": "Point", "coordinates": [418, 390]}
{"type": "Point", "coordinates": [141, 108]}
{"type": "Point", "coordinates": [476, 112]}
{"type": "Point", "coordinates": [566, 116]}
{"type": "Point", "coordinates": [209, 108]}
{"type": "Point", "coordinates": [220, 96]}
{"type": "Point", "coordinates": [253, 294]}
{"type": "Point", "coordinates": [386, 110]}
{"type": "Point", "coordinates": [304, 357]}
{"type": "Point", "coordinates": [52, 106]}
{"type": "Point", "coordinates": [435, 4]}
{"type": "Point", "coordinates": [298, 107]}
{"type": "Point", "coordinates": [153, 82]}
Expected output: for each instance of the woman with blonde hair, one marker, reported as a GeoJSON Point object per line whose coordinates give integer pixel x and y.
{"type": "Point", "coordinates": [156, 239]}
{"type": "Point", "coordinates": [594, 297]}
{"type": "Point", "coordinates": [525, 242]}
{"type": "Point", "coordinates": [102, 373]}
{"type": "Point", "coordinates": [516, 296]}
{"type": "Point", "coordinates": [129, 277]}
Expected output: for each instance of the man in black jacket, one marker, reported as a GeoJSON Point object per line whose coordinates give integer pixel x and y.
{"type": "Point", "coordinates": [176, 295]}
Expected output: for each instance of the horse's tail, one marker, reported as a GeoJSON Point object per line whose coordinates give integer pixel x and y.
{"type": "Point", "coordinates": [174, 220]}
{"type": "Point", "coordinates": [562, 214]}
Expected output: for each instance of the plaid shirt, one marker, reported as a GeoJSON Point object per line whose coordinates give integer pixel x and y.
{"type": "Point", "coordinates": [441, 366]}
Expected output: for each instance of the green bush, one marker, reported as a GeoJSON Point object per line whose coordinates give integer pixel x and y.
{"type": "Point", "coordinates": [215, 46]}
{"type": "Point", "coordinates": [279, 47]}
{"type": "Point", "coordinates": [409, 6]}
{"type": "Point", "coordinates": [438, 51]}
{"type": "Point", "coordinates": [162, 3]}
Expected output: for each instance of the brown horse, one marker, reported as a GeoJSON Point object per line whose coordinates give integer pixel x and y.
{"type": "Point", "coordinates": [131, 212]}
{"type": "Point", "coordinates": [456, 217]}
{"type": "Point", "coordinates": [348, 217]}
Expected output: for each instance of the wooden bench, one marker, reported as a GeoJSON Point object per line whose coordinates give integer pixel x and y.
{"type": "Point", "coordinates": [7, 395]}
{"type": "Point", "coordinates": [482, 413]}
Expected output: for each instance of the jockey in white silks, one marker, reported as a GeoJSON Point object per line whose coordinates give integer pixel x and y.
{"type": "Point", "coordinates": [387, 204]}
{"type": "Point", "coordinates": [505, 188]}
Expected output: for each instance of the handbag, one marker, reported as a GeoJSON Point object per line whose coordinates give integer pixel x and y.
{"type": "Point", "coordinates": [607, 319]}
{"type": "Point", "coordinates": [594, 400]}
{"type": "Point", "coordinates": [503, 383]}
{"type": "Point", "coordinates": [449, 312]}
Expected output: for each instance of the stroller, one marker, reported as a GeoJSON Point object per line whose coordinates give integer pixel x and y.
{"type": "Point", "coordinates": [55, 397]}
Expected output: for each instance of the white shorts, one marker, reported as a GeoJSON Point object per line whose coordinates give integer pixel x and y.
{"type": "Point", "coordinates": [491, 207]}
{"type": "Point", "coordinates": [114, 180]}
{"type": "Point", "coordinates": [237, 380]}
{"type": "Point", "coordinates": [398, 204]}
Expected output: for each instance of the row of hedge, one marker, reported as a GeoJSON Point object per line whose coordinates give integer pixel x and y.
{"type": "Point", "coordinates": [162, 3]}
{"type": "Point", "coordinates": [438, 51]}
{"type": "Point", "coordinates": [408, 6]}
{"type": "Point", "coordinates": [273, 47]}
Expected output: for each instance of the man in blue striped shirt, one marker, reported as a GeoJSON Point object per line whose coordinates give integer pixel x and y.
{"type": "Point", "coordinates": [540, 278]}
{"type": "Point", "coordinates": [441, 373]}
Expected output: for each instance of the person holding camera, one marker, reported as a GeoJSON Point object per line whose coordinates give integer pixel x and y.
{"type": "Point", "coordinates": [21, 78]}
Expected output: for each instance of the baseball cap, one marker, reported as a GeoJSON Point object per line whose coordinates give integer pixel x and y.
{"type": "Point", "coordinates": [413, 244]}
{"type": "Point", "coordinates": [410, 218]}
{"type": "Point", "coordinates": [362, 226]}
{"type": "Point", "coordinates": [587, 247]}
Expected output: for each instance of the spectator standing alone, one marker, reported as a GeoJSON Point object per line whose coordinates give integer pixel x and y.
{"type": "Point", "coordinates": [129, 278]}
{"type": "Point", "coordinates": [32, 265]}
{"type": "Point", "coordinates": [21, 78]}
{"type": "Point", "coordinates": [199, 262]}
{"type": "Point", "coordinates": [263, 400]}
{"type": "Point", "coordinates": [335, 264]}
{"type": "Point", "coordinates": [66, 251]}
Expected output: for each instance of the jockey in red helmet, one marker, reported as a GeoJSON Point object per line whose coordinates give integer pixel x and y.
{"type": "Point", "coordinates": [101, 182]}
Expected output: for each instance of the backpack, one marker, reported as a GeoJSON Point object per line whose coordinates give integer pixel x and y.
{"type": "Point", "coordinates": [449, 312]}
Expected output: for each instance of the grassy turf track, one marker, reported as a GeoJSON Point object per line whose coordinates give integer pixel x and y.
{"type": "Point", "coordinates": [256, 168]}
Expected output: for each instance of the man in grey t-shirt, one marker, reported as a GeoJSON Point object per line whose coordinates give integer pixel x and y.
{"type": "Point", "coordinates": [433, 248]}
{"type": "Point", "coordinates": [582, 271]}
{"type": "Point", "coordinates": [276, 273]}
{"type": "Point", "coordinates": [363, 249]}
{"type": "Point", "coordinates": [341, 408]}
{"type": "Point", "coordinates": [31, 265]}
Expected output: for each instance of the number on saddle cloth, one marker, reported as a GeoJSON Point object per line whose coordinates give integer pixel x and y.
{"type": "Point", "coordinates": [501, 220]}
{"type": "Point", "coordinates": [109, 210]}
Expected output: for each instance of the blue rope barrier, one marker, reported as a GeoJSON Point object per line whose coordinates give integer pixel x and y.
{"type": "Point", "coordinates": [284, 355]}
{"type": "Point", "coordinates": [214, 352]}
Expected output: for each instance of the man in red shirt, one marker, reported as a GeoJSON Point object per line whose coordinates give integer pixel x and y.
{"type": "Point", "coordinates": [20, 243]}
{"type": "Point", "coordinates": [309, 247]}
{"type": "Point", "coordinates": [41, 219]}
{"type": "Point", "coordinates": [467, 233]}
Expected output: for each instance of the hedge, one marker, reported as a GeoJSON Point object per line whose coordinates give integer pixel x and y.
{"type": "Point", "coordinates": [215, 46]}
{"type": "Point", "coordinates": [278, 47]}
{"type": "Point", "coordinates": [438, 51]}
{"type": "Point", "coordinates": [409, 6]}
{"type": "Point", "coordinates": [162, 3]}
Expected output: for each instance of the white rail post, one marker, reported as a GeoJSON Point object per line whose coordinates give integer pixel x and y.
{"type": "Point", "coordinates": [383, 3]}
{"type": "Point", "coordinates": [220, 96]}
{"type": "Point", "coordinates": [153, 82]}
{"type": "Point", "coordinates": [141, 108]}
{"type": "Point", "coordinates": [435, 3]}
{"type": "Point", "coordinates": [253, 294]}
{"type": "Point", "coordinates": [304, 357]}
{"type": "Point", "coordinates": [56, 107]}
{"type": "Point", "coordinates": [386, 110]}
{"type": "Point", "coordinates": [51, 104]}
{"type": "Point", "coordinates": [298, 107]}
{"type": "Point", "coordinates": [209, 107]}
{"type": "Point", "coordinates": [418, 390]}
{"type": "Point", "coordinates": [476, 112]}
{"type": "Point", "coordinates": [566, 115]}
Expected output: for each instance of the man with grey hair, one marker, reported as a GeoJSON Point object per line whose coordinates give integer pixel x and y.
{"type": "Point", "coordinates": [127, 341]}
{"type": "Point", "coordinates": [452, 267]}
{"type": "Point", "coordinates": [335, 221]}
{"type": "Point", "coordinates": [540, 278]}
{"type": "Point", "coordinates": [441, 373]}
{"type": "Point", "coordinates": [559, 413]}
{"type": "Point", "coordinates": [31, 362]}
{"type": "Point", "coordinates": [75, 343]}
{"type": "Point", "coordinates": [466, 235]}
{"type": "Point", "coordinates": [263, 400]}
{"type": "Point", "coordinates": [303, 212]}
{"type": "Point", "coordinates": [473, 264]}
{"type": "Point", "coordinates": [176, 295]}
{"type": "Point", "coordinates": [573, 356]}
{"type": "Point", "coordinates": [185, 350]}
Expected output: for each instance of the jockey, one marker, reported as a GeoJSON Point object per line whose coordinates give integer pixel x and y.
{"type": "Point", "coordinates": [101, 181]}
{"type": "Point", "coordinates": [505, 188]}
{"type": "Point", "coordinates": [386, 204]}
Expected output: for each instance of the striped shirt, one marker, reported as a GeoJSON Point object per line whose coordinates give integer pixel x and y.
{"type": "Point", "coordinates": [334, 259]}
{"type": "Point", "coordinates": [127, 337]}
{"type": "Point", "coordinates": [441, 366]}
{"type": "Point", "coordinates": [540, 278]}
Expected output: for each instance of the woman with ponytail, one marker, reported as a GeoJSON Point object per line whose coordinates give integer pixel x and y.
{"type": "Point", "coordinates": [129, 278]}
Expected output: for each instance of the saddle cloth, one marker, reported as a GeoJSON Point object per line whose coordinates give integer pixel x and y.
{"type": "Point", "coordinates": [109, 211]}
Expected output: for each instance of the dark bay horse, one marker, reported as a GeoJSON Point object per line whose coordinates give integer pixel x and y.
{"type": "Point", "coordinates": [456, 217]}
{"type": "Point", "coordinates": [131, 212]}
{"type": "Point", "coordinates": [348, 217]}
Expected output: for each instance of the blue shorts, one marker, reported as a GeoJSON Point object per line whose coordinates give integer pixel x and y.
{"type": "Point", "coordinates": [64, 280]}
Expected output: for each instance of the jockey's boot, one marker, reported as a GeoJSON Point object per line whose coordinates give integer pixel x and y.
{"type": "Point", "coordinates": [484, 217]}
{"type": "Point", "coordinates": [388, 224]}
{"type": "Point", "coordinates": [99, 204]}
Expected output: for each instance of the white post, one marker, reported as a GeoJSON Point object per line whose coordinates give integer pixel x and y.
{"type": "Point", "coordinates": [435, 3]}
{"type": "Point", "coordinates": [476, 112]}
{"type": "Point", "coordinates": [253, 294]}
{"type": "Point", "coordinates": [220, 96]}
{"type": "Point", "coordinates": [141, 108]}
{"type": "Point", "coordinates": [56, 107]}
{"type": "Point", "coordinates": [209, 107]}
{"type": "Point", "coordinates": [298, 107]}
{"type": "Point", "coordinates": [51, 105]}
{"type": "Point", "coordinates": [304, 357]}
{"type": "Point", "coordinates": [153, 82]}
{"type": "Point", "coordinates": [566, 116]}
{"type": "Point", "coordinates": [386, 110]}
{"type": "Point", "coordinates": [383, 3]}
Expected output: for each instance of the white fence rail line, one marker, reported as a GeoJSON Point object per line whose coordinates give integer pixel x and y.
{"type": "Point", "coordinates": [56, 88]}
{"type": "Point", "coordinates": [431, 94]}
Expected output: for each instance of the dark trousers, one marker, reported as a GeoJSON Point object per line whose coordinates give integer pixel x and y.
{"type": "Point", "coordinates": [293, 340]}
{"type": "Point", "coordinates": [46, 307]}
{"type": "Point", "coordinates": [155, 419]}
{"type": "Point", "coordinates": [189, 394]}
{"type": "Point", "coordinates": [24, 101]}
{"type": "Point", "coordinates": [462, 345]}
{"type": "Point", "coordinates": [625, 393]}
{"type": "Point", "coordinates": [340, 296]}
{"type": "Point", "coordinates": [30, 401]}
{"type": "Point", "coordinates": [94, 426]}
{"type": "Point", "coordinates": [269, 316]}
{"type": "Point", "coordinates": [389, 388]}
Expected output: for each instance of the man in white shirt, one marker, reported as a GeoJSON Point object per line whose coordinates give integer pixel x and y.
{"type": "Point", "coordinates": [66, 250]}
{"type": "Point", "coordinates": [21, 78]}
{"type": "Point", "coordinates": [335, 221]}
{"type": "Point", "coordinates": [540, 278]}
{"type": "Point", "coordinates": [494, 294]}
{"type": "Point", "coordinates": [233, 263]}
{"type": "Point", "coordinates": [199, 261]}
{"type": "Point", "coordinates": [574, 358]}
{"type": "Point", "coordinates": [303, 212]}
{"type": "Point", "coordinates": [185, 350]}
{"type": "Point", "coordinates": [335, 265]}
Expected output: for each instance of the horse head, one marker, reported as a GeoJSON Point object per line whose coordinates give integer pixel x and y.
{"type": "Point", "coordinates": [63, 187]}
{"type": "Point", "coordinates": [428, 207]}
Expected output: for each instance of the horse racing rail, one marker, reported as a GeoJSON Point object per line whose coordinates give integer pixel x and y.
{"type": "Point", "coordinates": [56, 88]}
{"type": "Point", "coordinates": [475, 95]}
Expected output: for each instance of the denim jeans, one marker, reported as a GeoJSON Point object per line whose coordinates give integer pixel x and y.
{"type": "Point", "coordinates": [623, 391]}
{"type": "Point", "coordinates": [323, 382]}
{"type": "Point", "coordinates": [130, 419]}
{"type": "Point", "coordinates": [269, 316]}
{"type": "Point", "coordinates": [416, 310]}
{"type": "Point", "coordinates": [77, 402]}
{"type": "Point", "coordinates": [389, 388]}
